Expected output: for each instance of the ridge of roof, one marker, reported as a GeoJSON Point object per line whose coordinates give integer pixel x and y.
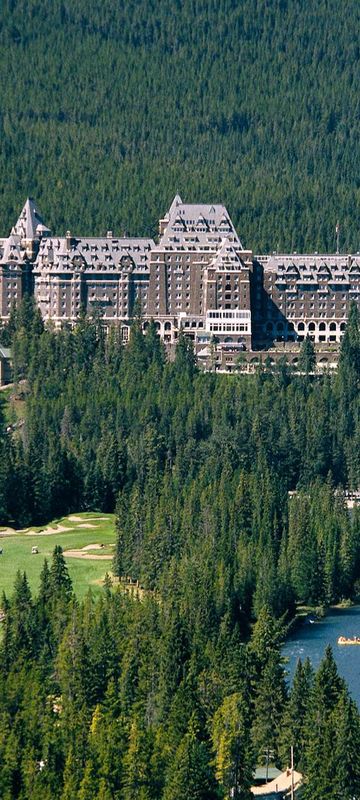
{"type": "Point", "coordinates": [29, 222]}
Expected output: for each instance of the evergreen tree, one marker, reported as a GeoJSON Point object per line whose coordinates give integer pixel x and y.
{"type": "Point", "coordinates": [307, 357]}
{"type": "Point", "coordinates": [319, 764]}
{"type": "Point", "coordinates": [292, 730]}
{"type": "Point", "coordinates": [269, 702]}
{"type": "Point", "coordinates": [60, 580]}
{"type": "Point", "coordinates": [136, 764]}
{"type": "Point", "coordinates": [234, 759]}
{"type": "Point", "coordinates": [190, 775]}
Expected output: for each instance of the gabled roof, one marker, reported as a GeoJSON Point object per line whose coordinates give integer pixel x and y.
{"type": "Point", "coordinates": [205, 220]}
{"type": "Point", "coordinates": [30, 223]}
{"type": "Point", "coordinates": [12, 251]}
{"type": "Point", "coordinates": [227, 258]}
{"type": "Point", "coordinates": [201, 221]}
{"type": "Point", "coordinates": [177, 201]}
{"type": "Point", "coordinates": [179, 221]}
{"type": "Point", "coordinates": [95, 252]}
{"type": "Point", "coordinates": [280, 785]}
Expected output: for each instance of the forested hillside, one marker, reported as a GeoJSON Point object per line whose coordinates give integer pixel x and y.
{"type": "Point", "coordinates": [228, 492]}
{"type": "Point", "coordinates": [108, 109]}
{"type": "Point", "coordinates": [112, 701]}
{"type": "Point", "coordinates": [200, 468]}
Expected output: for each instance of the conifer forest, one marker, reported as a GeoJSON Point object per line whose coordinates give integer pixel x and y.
{"type": "Point", "coordinates": [182, 693]}
{"type": "Point", "coordinates": [229, 491]}
{"type": "Point", "coordinates": [109, 108]}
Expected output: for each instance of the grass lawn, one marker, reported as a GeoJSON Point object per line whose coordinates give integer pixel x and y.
{"type": "Point", "coordinates": [12, 408]}
{"type": "Point", "coordinates": [84, 572]}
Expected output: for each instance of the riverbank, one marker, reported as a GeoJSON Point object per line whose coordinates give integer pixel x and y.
{"type": "Point", "coordinates": [311, 615]}
{"type": "Point", "coordinates": [310, 641]}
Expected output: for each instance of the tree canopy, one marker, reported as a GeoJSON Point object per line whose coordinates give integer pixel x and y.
{"type": "Point", "coordinates": [253, 104]}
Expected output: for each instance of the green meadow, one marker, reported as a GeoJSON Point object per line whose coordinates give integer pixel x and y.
{"type": "Point", "coordinates": [73, 533]}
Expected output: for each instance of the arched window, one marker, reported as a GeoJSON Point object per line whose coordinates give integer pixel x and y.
{"type": "Point", "coordinates": [333, 326]}
{"type": "Point", "coordinates": [301, 326]}
{"type": "Point", "coordinates": [322, 326]}
{"type": "Point", "coordinates": [311, 326]}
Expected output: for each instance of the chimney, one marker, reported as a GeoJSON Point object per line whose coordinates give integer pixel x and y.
{"type": "Point", "coordinates": [109, 235]}
{"type": "Point", "coordinates": [69, 240]}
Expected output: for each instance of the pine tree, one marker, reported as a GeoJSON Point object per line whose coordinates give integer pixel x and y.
{"type": "Point", "coordinates": [266, 638]}
{"type": "Point", "coordinates": [60, 580]}
{"type": "Point", "coordinates": [320, 731]}
{"type": "Point", "coordinates": [72, 774]}
{"type": "Point", "coordinates": [234, 760]}
{"type": "Point", "coordinates": [269, 702]}
{"type": "Point", "coordinates": [346, 767]}
{"type": "Point", "coordinates": [136, 763]}
{"type": "Point", "coordinates": [292, 730]}
{"type": "Point", "coordinates": [185, 361]}
{"type": "Point", "coordinates": [307, 357]}
{"type": "Point", "coordinates": [190, 776]}
{"type": "Point", "coordinates": [88, 788]}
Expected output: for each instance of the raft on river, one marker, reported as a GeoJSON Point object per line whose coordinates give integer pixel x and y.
{"type": "Point", "coordinates": [344, 640]}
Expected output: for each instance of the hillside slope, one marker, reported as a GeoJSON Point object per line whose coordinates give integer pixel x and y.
{"type": "Point", "coordinates": [108, 109]}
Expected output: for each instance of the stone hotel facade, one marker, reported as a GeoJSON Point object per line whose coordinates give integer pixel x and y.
{"type": "Point", "coordinates": [197, 278]}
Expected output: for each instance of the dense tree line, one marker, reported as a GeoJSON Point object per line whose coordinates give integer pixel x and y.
{"type": "Point", "coordinates": [254, 104]}
{"type": "Point", "coordinates": [229, 496]}
{"type": "Point", "coordinates": [116, 700]}
{"type": "Point", "coordinates": [237, 480]}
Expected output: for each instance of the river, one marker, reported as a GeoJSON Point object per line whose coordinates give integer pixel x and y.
{"type": "Point", "coordinates": [311, 640]}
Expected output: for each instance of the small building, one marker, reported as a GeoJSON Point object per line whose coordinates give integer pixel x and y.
{"type": "Point", "coordinates": [265, 775]}
{"type": "Point", "coordinates": [5, 365]}
{"type": "Point", "coordinates": [280, 787]}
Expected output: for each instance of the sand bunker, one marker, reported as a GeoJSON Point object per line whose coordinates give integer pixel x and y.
{"type": "Point", "coordinates": [86, 525]}
{"type": "Point", "coordinates": [46, 531]}
{"type": "Point", "coordinates": [74, 518]}
{"type": "Point", "coordinates": [92, 547]}
{"type": "Point", "coordinates": [84, 554]}
{"type": "Point", "coordinates": [30, 532]}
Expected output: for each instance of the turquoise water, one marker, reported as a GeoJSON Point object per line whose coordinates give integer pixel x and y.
{"type": "Point", "coordinates": [311, 641]}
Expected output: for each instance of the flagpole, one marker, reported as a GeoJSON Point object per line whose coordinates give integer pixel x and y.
{"type": "Point", "coordinates": [337, 230]}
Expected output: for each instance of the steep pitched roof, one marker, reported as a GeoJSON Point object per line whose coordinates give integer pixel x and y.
{"type": "Point", "coordinates": [205, 220]}
{"type": "Point", "coordinates": [177, 201]}
{"type": "Point", "coordinates": [12, 252]}
{"type": "Point", "coordinates": [30, 222]}
{"type": "Point", "coordinates": [95, 252]}
{"type": "Point", "coordinates": [227, 258]}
